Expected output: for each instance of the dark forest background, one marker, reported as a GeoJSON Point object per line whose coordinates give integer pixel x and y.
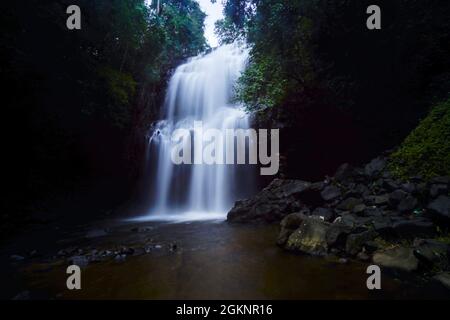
{"type": "Point", "coordinates": [77, 104]}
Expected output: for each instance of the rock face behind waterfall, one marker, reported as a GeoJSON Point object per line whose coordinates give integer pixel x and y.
{"type": "Point", "coordinates": [359, 213]}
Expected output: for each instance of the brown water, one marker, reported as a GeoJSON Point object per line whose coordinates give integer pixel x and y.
{"type": "Point", "coordinates": [214, 260]}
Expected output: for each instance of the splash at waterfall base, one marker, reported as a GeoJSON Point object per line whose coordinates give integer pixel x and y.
{"type": "Point", "coordinates": [217, 147]}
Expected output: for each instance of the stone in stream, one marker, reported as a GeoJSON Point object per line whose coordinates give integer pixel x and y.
{"type": "Point", "coordinates": [433, 253]}
{"type": "Point", "coordinates": [443, 278]}
{"type": "Point", "coordinates": [310, 237]}
{"type": "Point", "coordinates": [401, 258]}
{"type": "Point", "coordinates": [337, 234]}
{"type": "Point", "coordinates": [355, 242]}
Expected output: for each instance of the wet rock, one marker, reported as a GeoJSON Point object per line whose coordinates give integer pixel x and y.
{"type": "Point", "coordinates": [349, 203]}
{"type": "Point", "coordinates": [293, 220]}
{"type": "Point", "coordinates": [357, 191]}
{"type": "Point", "coordinates": [410, 228]}
{"type": "Point", "coordinates": [377, 200]}
{"type": "Point", "coordinates": [397, 196]}
{"type": "Point", "coordinates": [363, 256]}
{"type": "Point", "coordinates": [390, 185]}
{"type": "Point", "coordinates": [326, 213]}
{"type": "Point", "coordinates": [408, 203]}
{"type": "Point", "coordinates": [375, 166]}
{"type": "Point", "coordinates": [433, 253]}
{"type": "Point", "coordinates": [288, 225]}
{"type": "Point", "coordinates": [443, 278]}
{"type": "Point", "coordinates": [400, 258]}
{"type": "Point", "coordinates": [409, 187]}
{"type": "Point", "coordinates": [274, 202]}
{"type": "Point", "coordinates": [330, 193]}
{"type": "Point", "coordinates": [373, 212]}
{"type": "Point", "coordinates": [359, 209]}
{"type": "Point", "coordinates": [337, 233]}
{"type": "Point", "coordinates": [81, 261]}
{"type": "Point", "coordinates": [120, 257]}
{"type": "Point", "coordinates": [438, 189]}
{"type": "Point", "coordinates": [317, 186]}
{"type": "Point", "coordinates": [441, 180]}
{"type": "Point", "coordinates": [371, 246]}
{"type": "Point", "coordinates": [355, 242]}
{"type": "Point", "coordinates": [383, 225]}
{"type": "Point", "coordinates": [440, 208]}
{"type": "Point", "coordinates": [310, 237]}
{"type": "Point", "coordinates": [139, 251]}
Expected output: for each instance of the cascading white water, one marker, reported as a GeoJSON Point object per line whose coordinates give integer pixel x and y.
{"type": "Point", "coordinates": [199, 90]}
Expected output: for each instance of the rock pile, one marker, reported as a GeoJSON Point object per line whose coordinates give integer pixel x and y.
{"type": "Point", "coordinates": [363, 213]}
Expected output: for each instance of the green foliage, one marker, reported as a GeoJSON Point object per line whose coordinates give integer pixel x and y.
{"type": "Point", "coordinates": [256, 91]}
{"type": "Point", "coordinates": [426, 151]}
{"type": "Point", "coordinates": [120, 88]}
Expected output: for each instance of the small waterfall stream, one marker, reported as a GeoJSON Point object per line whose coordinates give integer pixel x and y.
{"type": "Point", "coordinates": [199, 90]}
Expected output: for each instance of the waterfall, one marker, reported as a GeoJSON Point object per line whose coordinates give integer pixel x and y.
{"type": "Point", "coordinates": [199, 90]}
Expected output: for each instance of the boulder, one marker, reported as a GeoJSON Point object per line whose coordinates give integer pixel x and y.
{"type": "Point", "coordinates": [357, 191]}
{"type": "Point", "coordinates": [440, 208]}
{"type": "Point", "coordinates": [349, 203]}
{"type": "Point", "coordinates": [375, 167]}
{"type": "Point", "coordinates": [337, 234]}
{"type": "Point", "coordinates": [359, 209]}
{"type": "Point", "coordinates": [438, 189]}
{"type": "Point", "coordinates": [416, 227]}
{"type": "Point", "coordinates": [409, 187]}
{"type": "Point", "coordinates": [441, 180]}
{"type": "Point", "coordinates": [443, 278]}
{"type": "Point", "coordinates": [408, 203]}
{"type": "Point", "coordinates": [274, 202]}
{"type": "Point", "coordinates": [383, 225]}
{"type": "Point", "coordinates": [355, 242]}
{"type": "Point", "coordinates": [310, 237]}
{"type": "Point", "coordinates": [433, 253]}
{"type": "Point", "coordinates": [330, 193]}
{"type": "Point", "coordinates": [326, 213]}
{"type": "Point", "coordinates": [395, 197]}
{"type": "Point", "coordinates": [288, 225]}
{"type": "Point", "coordinates": [400, 258]}
{"type": "Point", "coordinates": [377, 200]}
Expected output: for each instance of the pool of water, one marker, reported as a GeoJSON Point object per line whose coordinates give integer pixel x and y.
{"type": "Point", "coordinates": [213, 260]}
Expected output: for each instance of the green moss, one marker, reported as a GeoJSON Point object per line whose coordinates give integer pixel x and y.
{"type": "Point", "coordinates": [426, 151]}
